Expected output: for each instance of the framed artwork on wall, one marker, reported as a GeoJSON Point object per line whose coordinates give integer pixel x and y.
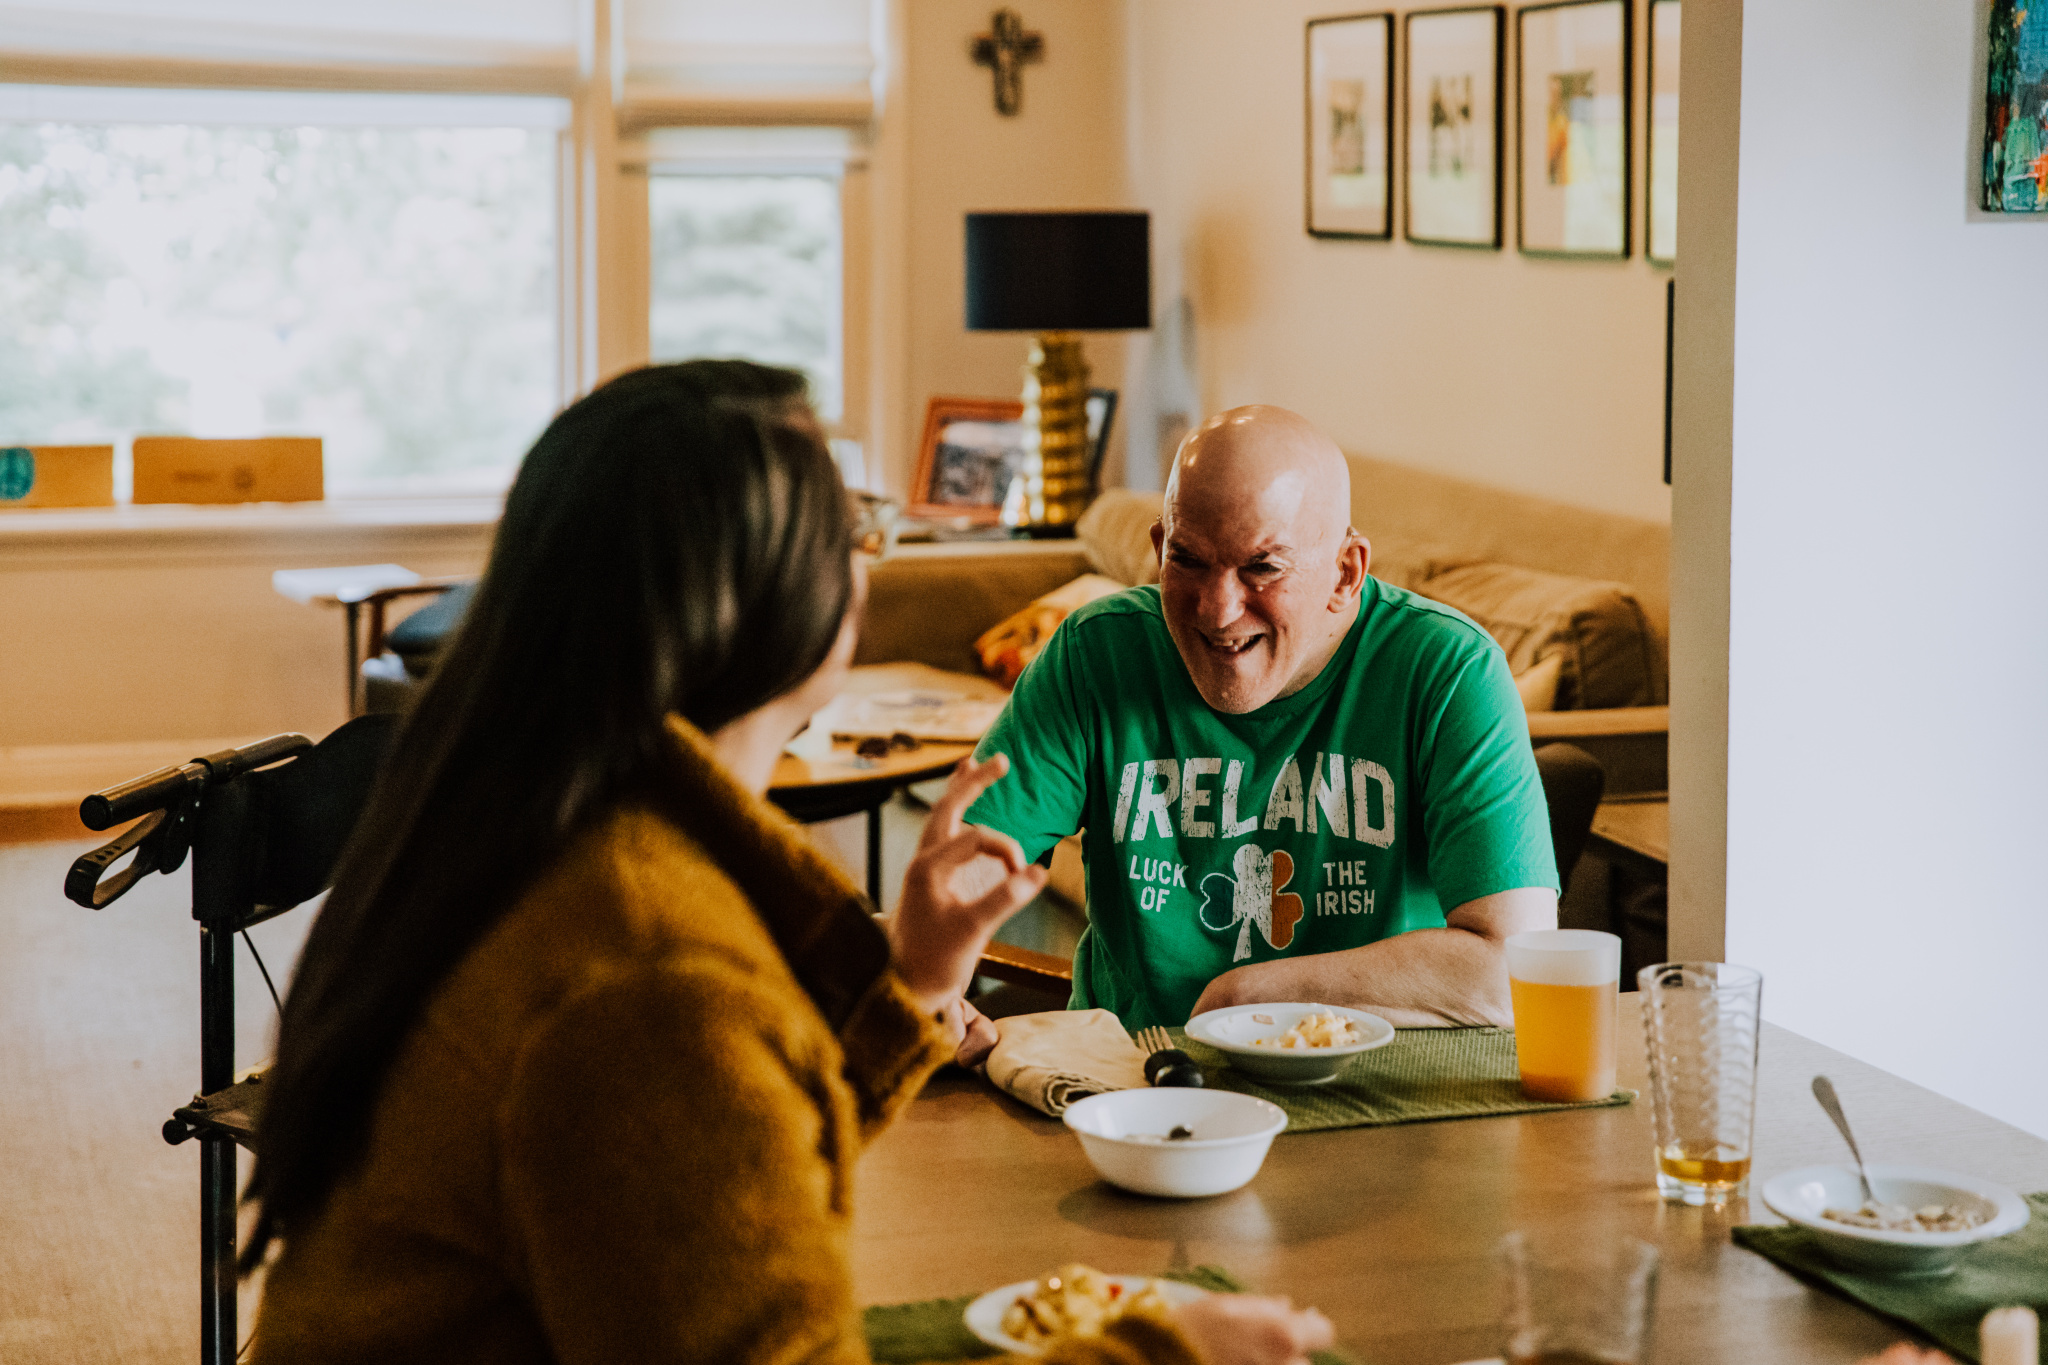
{"type": "Point", "coordinates": [1350, 128]}
{"type": "Point", "coordinates": [2015, 178]}
{"type": "Point", "coordinates": [1454, 126]}
{"type": "Point", "coordinates": [972, 449]}
{"type": "Point", "coordinates": [1660, 226]}
{"type": "Point", "coordinates": [1572, 121]}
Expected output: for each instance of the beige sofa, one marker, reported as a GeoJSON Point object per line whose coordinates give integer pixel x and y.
{"type": "Point", "coordinates": [1556, 584]}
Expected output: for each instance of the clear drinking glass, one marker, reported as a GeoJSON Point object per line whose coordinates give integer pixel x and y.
{"type": "Point", "coordinates": [1700, 1028]}
{"type": "Point", "coordinates": [1568, 1304]}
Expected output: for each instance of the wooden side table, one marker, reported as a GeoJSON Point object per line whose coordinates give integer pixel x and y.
{"type": "Point", "coordinates": [1635, 834]}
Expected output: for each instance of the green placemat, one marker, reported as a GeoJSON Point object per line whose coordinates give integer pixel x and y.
{"type": "Point", "coordinates": [936, 1329]}
{"type": "Point", "coordinates": [1947, 1308]}
{"type": "Point", "coordinates": [1425, 1073]}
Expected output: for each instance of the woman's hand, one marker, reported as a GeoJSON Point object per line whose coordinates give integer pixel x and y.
{"type": "Point", "coordinates": [1245, 1329]}
{"type": "Point", "coordinates": [963, 883]}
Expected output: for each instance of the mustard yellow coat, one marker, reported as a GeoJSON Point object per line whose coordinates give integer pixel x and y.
{"type": "Point", "coordinates": [625, 1130]}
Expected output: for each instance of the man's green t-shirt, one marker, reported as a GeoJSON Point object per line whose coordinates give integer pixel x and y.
{"type": "Point", "coordinates": [1398, 783]}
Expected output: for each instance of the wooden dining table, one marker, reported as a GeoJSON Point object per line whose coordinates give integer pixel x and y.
{"type": "Point", "coordinates": [1392, 1231]}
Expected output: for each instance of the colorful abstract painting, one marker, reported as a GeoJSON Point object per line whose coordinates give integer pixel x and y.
{"type": "Point", "coordinates": [2016, 108]}
{"type": "Point", "coordinates": [1573, 92]}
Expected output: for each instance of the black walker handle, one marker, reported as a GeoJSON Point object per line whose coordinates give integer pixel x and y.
{"type": "Point", "coordinates": [168, 798]}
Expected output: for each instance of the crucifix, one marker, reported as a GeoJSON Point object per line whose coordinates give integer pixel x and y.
{"type": "Point", "coordinates": [1004, 50]}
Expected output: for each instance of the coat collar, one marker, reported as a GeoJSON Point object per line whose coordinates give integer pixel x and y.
{"type": "Point", "coordinates": [823, 926]}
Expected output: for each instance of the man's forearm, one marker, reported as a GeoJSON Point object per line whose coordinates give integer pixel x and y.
{"type": "Point", "coordinates": [1427, 978]}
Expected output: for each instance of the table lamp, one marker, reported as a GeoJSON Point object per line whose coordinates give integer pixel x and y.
{"type": "Point", "coordinates": [1056, 274]}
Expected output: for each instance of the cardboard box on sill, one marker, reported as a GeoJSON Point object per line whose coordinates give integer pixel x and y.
{"type": "Point", "coordinates": [251, 469]}
{"type": "Point", "coordinates": [56, 476]}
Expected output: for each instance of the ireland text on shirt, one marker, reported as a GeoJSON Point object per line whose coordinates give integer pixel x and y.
{"type": "Point", "coordinates": [1152, 787]}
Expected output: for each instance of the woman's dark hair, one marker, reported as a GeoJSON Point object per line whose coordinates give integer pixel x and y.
{"type": "Point", "coordinates": [676, 542]}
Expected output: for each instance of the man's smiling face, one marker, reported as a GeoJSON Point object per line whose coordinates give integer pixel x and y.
{"type": "Point", "coordinates": [1255, 572]}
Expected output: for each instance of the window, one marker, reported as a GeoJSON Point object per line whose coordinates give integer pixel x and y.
{"type": "Point", "coordinates": [377, 270]}
{"type": "Point", "coordinates": [745, 250]}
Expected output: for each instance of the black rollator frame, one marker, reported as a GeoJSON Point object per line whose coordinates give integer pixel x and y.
{"type": "Point", "coordinates": [263, 839]}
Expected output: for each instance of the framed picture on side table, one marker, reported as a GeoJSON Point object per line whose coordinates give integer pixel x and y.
{"type": "Point", "coordinates": [1660, 227]}
{"type": "Point", "coordinates": [1350, 110]}
{"type": "Point", "coordinates": [1572, 122]}
{"type": "Point", "coordinates": [972, 449]}
{"type": "Point", "coordinates": [1452, 191]}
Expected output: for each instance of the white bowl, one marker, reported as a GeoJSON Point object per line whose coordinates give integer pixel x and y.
{"type": "Point", "coordinates": [1237, 1030]}
{"type": "Point", "coordinates": [1800, 1197]}
{"type": "Point", "coordinates": [1120, 1130]}
{"type": "Point", "coordinates": [985, 1314]}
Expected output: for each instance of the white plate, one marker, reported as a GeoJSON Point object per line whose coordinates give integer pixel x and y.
{"type": "Point", "coordinates": [1237, 1030]}
{"type": "Point", "coordinates": [985, 1314]}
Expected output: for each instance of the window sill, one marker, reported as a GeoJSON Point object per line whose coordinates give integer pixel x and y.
{"type": "Point", "coordinates": [344, 530]}
{"type": "Point", "coordinates": [253, 518]}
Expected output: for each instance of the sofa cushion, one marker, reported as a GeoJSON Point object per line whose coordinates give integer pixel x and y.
{"type": "Point", "coordinates": [1597, 629]}
{"type": "Point", "coordinates": [1116, 535]}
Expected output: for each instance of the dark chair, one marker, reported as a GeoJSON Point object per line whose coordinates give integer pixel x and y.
{"type": "Point", "coordinates": [265, 825]}
{"type": "Point", "coordinates": [398, 660]}
{"type": "Point", "coordinates": [1572, 785]}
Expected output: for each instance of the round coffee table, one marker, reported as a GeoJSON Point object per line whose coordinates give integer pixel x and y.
{"type": "Point", "coordinates": [810, 790]}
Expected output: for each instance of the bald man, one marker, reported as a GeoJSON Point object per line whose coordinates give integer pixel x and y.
{"type": "Point", "coordinates": [1297, 782]}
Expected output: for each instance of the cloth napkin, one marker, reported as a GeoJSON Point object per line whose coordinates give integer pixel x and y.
{"type": "Point", "coordinates": [1948, 1308]}
{"type": "Point", "coordinates": [1050, 1060]}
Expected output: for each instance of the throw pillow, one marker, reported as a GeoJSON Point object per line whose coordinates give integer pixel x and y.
{"type": "Point", "coordinates": [1597, 629]}
{"type": "Point", "coordinates": [1009, 646]}
{"type": "Point", "coordinates": [1538, 684]}
{"type": "Point", "coordinates": [1116, 535]}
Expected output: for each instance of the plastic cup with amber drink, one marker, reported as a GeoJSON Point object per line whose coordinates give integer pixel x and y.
{"type": "Point", "coordinates": [1565, 983]}
{"type": "Point", "coordinates": [1700, 1024]}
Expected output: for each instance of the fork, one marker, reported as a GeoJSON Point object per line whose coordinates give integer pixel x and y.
{"type": "Point", "coordinates": [1166, 1064]}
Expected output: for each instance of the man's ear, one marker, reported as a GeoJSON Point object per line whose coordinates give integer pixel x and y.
{"type": "Point", "coordinates": [1158, 540]}
{"type": "Point", "coordinates": [1354, 561]}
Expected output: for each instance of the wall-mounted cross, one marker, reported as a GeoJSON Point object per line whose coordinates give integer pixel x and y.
{"type": "Point", "coordinates": [1004, 50]}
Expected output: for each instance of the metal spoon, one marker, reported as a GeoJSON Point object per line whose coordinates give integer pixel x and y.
{"type": "Point", "coordinates": [1824, 1091]}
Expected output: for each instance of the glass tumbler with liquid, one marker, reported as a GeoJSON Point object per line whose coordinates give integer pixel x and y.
{"type": "Point", "coordinates": [1565, 985]}
{"type": "Point", "coordinates": [1700, 1029]}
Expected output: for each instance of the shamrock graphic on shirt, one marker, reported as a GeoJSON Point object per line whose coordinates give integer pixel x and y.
{"type": "Point", "coordinates": [1255, 896]}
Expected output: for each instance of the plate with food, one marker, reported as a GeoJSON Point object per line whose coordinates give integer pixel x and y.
{"type": "Point", "coordinates": [1294, 1043]}
{"type": "Point", "coordinates": [1921, 1222]}
{"type": "Point", "coordinates": [1075, 1300]}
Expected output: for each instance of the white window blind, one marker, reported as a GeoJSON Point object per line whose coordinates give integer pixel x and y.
{"type": "Point", "coordinates": [763, 45]}
{"type": "Point", "coordinates": [428, 32]}
{"type": "Point", "coordinates": [754, 48]}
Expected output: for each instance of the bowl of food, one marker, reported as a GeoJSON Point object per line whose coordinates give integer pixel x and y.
{"type": "Point", "coordinates": [1293, 1044]}
{"type": "Point", "coordinates": [1075, 1300]}
{"type": "Point", "coordinates": [1184, 1144]}
{"type": "Point", "coordinates": [1921, 1223]}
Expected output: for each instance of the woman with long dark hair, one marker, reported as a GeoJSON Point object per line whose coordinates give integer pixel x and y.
{"type": "Point", "coordinates": [585, 1042]}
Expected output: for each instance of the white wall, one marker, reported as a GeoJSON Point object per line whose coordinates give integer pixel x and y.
{"type": "Point", "coordinates": [1543, 376]}
{"type": "Point", "coordinates": [1887, 656]}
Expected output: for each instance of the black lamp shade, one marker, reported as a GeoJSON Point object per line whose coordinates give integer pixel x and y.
{"type": "Point", "coordinates": [1059, 272]}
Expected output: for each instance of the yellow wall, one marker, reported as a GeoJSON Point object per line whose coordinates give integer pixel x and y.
{"type": "Point", "coordinates": [1543, 376]}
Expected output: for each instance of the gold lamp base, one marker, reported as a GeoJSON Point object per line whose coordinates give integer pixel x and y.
{"type": "Point", "coordinates": [1054, 485]}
